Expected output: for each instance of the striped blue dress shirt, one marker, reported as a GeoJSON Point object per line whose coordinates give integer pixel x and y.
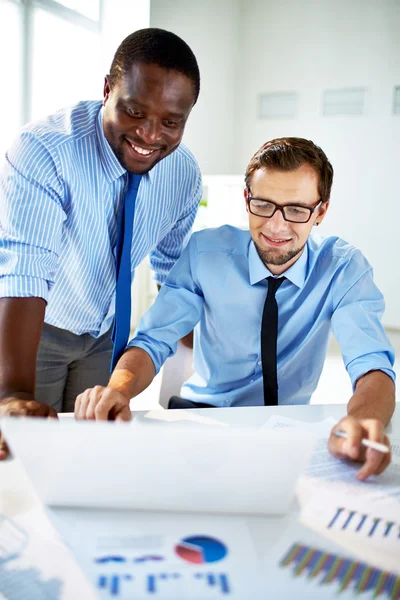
{"type": "Point", "coordinates": [60, 192]}
{"type": "Point", "coordinates": [220, 284]}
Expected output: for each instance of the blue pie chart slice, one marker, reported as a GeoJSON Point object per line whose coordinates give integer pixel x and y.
{"type": "Point", "coordinates": [199, 549]}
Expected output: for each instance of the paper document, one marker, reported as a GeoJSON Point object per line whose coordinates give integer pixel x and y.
{"type": "Point", "coordinates": [34, 562]}
{"type": "Point", "coordinates": [196, 469]}
{"type": "Point", "coordinates": [320, 429]}
{"type": "Point", "coordinates": [370, 531]}
{"type": "Point", "coordinates": [306, 566]}
{"type": "Point", "coordinates": [177, 557]}
{"type": "Point", "coordinates": [327, 474]}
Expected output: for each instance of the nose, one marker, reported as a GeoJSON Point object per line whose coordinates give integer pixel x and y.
{"type": "Point", "coordinates": [150, 131]}
{"type": "Point", "coordinates": [276, 223]}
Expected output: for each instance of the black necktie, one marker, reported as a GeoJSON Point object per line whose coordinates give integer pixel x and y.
{"type": "Point", "coordinates": [269, 334]}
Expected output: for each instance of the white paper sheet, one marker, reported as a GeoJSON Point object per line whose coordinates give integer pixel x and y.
{"type": "Point", "coordinates": [370, 531]}
{"type": "Point", "coordinates": [308, 566]}
{"type": "Point", "coordinates": [175, 557]}
{"type": "Point", "coordinates": [197, 469]}
{"type": "Point", "coordinates": [326, 474]}
{"type": "Point", "coordinates": [34, 562]}
{"type": "Point", "coordinates": [320, 429]}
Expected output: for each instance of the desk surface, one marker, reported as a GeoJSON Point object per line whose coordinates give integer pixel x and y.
{"type": "Point", "coordinates": [255, 416]}
{"type": "Point", "coordinates": [15, 488]}
{"type": "Point", "coordinates": [13, 477]}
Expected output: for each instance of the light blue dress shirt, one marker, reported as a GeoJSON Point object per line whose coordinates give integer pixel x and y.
{"type": "Point", "coordinates": [220, 284]}
{"type": "Point", "coordinates": [60, 192]}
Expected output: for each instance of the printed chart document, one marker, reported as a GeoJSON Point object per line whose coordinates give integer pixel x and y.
{"type": "Point", "coordinates": [306, 566]}
{"type": "Point", "coordinates": [35, 564]}
{"type": "Point", "coordinates": [363, 518]}
{"type": "Point", "coordinates": [169, 556]}
{"type": "Point", "coordinates": [197, 469]}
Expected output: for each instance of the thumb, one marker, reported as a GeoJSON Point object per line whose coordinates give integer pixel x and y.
{"type": "Point", "coordinates": [124, 414]}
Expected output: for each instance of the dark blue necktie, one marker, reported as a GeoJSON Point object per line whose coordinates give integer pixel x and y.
{"type": "Point", "coordinates": [122, 321]}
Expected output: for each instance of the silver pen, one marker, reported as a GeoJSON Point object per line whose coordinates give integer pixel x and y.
{"type": "Point", "coordinates": [365, 442]}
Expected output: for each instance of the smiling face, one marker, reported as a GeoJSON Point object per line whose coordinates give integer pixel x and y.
{"type": "Point", "coordinates": [145, 114]}
{"type": "Point", "coordinates": [280, 243]}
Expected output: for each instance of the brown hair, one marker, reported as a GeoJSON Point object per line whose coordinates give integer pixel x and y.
{"type": "Point", "coordinates": [290, 153]}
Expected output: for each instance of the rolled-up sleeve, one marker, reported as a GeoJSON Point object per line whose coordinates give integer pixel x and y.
{"type": "Point", "coordinates": [31, 219]}
{"type": "Point", "coordinates": [163, 258]}
{"type": "Point", "coordinates": [356, 323]}
{"type": "Point", "coordinates": [177, 309]}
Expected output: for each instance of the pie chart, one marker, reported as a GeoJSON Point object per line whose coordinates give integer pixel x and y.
{"type": "Point", "coordinates": [200, 549]}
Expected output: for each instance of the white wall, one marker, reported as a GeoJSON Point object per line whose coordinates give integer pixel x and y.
{"type": "Point", "coordinates": [120, 18]}
{"type": "Point", "coordinates": [246, 47]}
{"type": "Point", "coordinates": [211, 28]}
{"type": "Point", "coordinates": [310, 46]}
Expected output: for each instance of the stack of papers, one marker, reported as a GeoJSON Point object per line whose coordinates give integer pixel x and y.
{"type": "Point", "coordinates": [347, 540]}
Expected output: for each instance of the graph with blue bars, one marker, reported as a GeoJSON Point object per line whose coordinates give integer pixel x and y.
{"type": "Point", "coordinates": [364, 524]}
{"type": "Point", "coordinates": [328, 569]}
{"type": "Point", "coordinates": [126, 585]}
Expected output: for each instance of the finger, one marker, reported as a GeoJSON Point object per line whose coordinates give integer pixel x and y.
{"type": "Point", "coordinates": [96, 396]}
{"type": "Point", "coordinates": [77, 405]}
{"type": "Point", "coordinates": [373, 461]}
{"type": "Point", "coordinates": [104, 407]}
{"type": "Point", "coordinates": [83, 404]}
{"type": "Point", "coordinates": [375, 465]}
{"type": "Point", "coordinates": [3, 448]}
{"type": "Point", "coordinates": [349, 446]}
{"type": "Point", "coordinates": [124, 414]}
{"type": "Point", "coordinates": [384, 464]}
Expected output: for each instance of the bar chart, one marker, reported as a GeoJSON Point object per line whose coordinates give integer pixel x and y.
{"type": "Point", "coordinates": [126, 586]}
{"type": "Point", "coordinates": [328, 569]}
{"type": "Point", "coordinates": [364, 524]}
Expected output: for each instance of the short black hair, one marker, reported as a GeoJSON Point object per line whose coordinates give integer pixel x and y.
{"type": "Point", "coordinates": [158, 47]}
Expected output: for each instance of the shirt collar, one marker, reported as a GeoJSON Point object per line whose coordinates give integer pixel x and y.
{"type": "Point", "coordinates": [258, 271]}
{"type": "Point", "coordinates": [111, 165]}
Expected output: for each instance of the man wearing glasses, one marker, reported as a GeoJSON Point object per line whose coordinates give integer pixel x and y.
{"type": "Point", "coordinates": [264, 302]}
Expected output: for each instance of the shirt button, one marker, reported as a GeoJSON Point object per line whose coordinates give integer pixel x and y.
{"type": "Point", "coordinates": [226, 402]}
{"type": "Point", "coordinates": [251, 380]}
{"type": "Point", "coordinates": [259, 362]}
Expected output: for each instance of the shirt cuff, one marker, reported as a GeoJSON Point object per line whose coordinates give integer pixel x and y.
{"type": "Point", "coordinates": [14, 286]}
{"type": "Point", "coordinates": [158, 352]}
{"type": "Point", "coordinates": [362, 366]}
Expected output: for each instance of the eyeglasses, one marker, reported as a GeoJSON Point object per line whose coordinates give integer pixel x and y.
{"type": "Point", "coordinates": [290, 212]}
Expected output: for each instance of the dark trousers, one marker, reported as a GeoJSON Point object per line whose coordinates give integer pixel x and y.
{"type": "Point", "coordinates": [68, 364]}
{"type": "Point", "coordinates": [178, 402]}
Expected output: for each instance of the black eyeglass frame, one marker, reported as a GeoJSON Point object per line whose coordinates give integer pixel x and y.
{"type": "Point", "coordinates": [281, 208]}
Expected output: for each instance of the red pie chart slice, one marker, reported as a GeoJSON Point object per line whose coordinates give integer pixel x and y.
{"type": "Point", "coordinates": [190, 552]}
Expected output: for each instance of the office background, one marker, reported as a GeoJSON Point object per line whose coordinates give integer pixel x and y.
{"type": "Point", "coordinates": [322, 69]}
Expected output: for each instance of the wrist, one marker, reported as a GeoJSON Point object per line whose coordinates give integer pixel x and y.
{"type": "Point", "coordinates": [9, 396]}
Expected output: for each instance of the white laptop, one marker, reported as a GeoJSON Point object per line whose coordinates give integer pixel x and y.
{"type": "Point", "coordinates": [194, 468]}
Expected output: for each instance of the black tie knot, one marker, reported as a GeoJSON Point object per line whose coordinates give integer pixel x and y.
{"type": "Point", "coordinates": [273, 285]}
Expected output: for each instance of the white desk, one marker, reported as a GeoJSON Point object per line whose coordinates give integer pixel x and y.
{"type": "Point", "coordinates": [15, 488]}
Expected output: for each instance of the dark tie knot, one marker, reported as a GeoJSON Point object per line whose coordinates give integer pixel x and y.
{"type": "Point", "coordinates": [273, 284]}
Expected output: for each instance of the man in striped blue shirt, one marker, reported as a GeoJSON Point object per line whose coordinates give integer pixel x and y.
{"type": "Point", "coordinates": [61, 190]}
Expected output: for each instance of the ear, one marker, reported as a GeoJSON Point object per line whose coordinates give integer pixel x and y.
{"type": "Point", "coordinates": [321, 213]}
{"type": "Point", "coordinates": [246, 195]}
{"type": "Point", "coordinates": [106, 90]}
